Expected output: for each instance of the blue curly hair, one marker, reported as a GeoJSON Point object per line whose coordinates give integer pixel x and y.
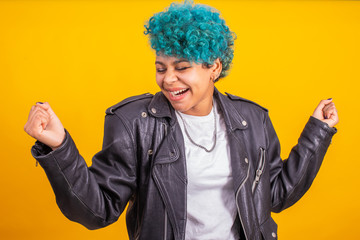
{"type": "Point", "coordinates": [194, 32]}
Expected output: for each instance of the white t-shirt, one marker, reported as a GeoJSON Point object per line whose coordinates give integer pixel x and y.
{"type": "Point", "coordinates": [211, 207]}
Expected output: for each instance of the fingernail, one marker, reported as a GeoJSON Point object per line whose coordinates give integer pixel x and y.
{"type": "Point", "coordinates": [40, 102]}
{"type": "Point", "coordinates": [329, 98]}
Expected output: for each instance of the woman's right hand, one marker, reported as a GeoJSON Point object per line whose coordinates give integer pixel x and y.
{"type": "Point", "coordinates": [45, 126]}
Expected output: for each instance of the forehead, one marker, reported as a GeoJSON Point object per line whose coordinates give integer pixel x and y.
{"type": "Point", "coordinates": [171, 60]}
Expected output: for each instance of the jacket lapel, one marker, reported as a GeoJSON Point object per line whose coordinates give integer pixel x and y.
{"type": "Point", "coordinates": [169, 173]}
{"type": "Point", "coordinates": [169, 167]}
{"type": "Point", "coordinates": [240, 162]}
{"type": "Point", "coordinates": [235, 122]}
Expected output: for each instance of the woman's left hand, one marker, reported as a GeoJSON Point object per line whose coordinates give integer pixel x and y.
{"type": "Point", "coordinates": [326, 112]}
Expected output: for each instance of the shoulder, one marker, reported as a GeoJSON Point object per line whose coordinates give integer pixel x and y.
{"type": "Point", "coordinates": [245, 101]}
{"type": "Point", "coordinates": [137, 102]}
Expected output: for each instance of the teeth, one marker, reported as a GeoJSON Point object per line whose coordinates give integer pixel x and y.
{"type": "Point", "coordinates": [178, 92]}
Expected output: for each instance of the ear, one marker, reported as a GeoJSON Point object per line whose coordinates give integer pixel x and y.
{"type": "Point", "coordinates": [216, 68]}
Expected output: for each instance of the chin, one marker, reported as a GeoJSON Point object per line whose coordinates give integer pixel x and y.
{"type": "Point", "coordinates": [179, 108]}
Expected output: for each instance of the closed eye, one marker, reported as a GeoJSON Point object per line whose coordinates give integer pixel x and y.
{"type": "Point", "coordinates": [182, 69]}
{"type": "Point", "coordinates": [160, 70]}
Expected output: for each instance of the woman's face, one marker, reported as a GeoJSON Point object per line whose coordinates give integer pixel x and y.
{"type": "Point", "coordinates": [187, 85]}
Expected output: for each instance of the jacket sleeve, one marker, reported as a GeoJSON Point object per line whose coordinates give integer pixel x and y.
{"type": "Point", "coordinates": [291, 178]}
{"type": "Point", "coordinates": [95, 196]}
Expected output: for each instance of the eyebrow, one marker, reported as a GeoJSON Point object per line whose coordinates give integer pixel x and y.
{"type": "Point", "coordinates": [174, 63]}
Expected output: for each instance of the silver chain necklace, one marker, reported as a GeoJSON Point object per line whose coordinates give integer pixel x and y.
{"type": "Point", "coordinates": [192, 141]}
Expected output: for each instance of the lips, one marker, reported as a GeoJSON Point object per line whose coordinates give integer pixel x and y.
{"type": "Point", "coordinates": [177, 94]}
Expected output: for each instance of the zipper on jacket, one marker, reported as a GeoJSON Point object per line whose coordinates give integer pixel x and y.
{"type": "Point", "coordinates": [237, 203]}
{"type": "Point", "coordinates": [259, 170]}
{"type": "Point", "coordinates": [166, 216]}
{"type": "Point", "coordinates": [165, 225]}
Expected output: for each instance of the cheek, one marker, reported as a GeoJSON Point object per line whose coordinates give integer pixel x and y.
{"type": "Point", "coordinates": [191, 78]}
{"type": "Point", "coordinates": [159, 80]}
{"type": "Point", "coordinates": [202, 81]}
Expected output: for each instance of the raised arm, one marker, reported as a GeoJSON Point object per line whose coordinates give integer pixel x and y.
{"type": "Point", "coordinates": [291, 178]}
{"type": "Point", "coordinates": [95, 196]}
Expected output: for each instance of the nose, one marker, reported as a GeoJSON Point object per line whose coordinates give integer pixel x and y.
{"type": "Point", "coordinates": [170, 77]}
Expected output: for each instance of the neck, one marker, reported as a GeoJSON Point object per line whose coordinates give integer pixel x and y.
{"type": "Point", "coordinates": [203, 111]}
{"type": "Point", "coordinates": [204, 107]}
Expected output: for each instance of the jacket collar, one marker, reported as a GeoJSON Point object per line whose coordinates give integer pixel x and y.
{"type": "Point", "coordinates": [161, 107]}
{"type": "Point", "coordinates": [232, 116]}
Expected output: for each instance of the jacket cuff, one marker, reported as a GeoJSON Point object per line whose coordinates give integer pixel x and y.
{"type": "Point", "coordinates": [325, 126]}
{"type": "Point", "coordinates": [321, 129]}
{"type": "Point", "coordinates": [45, 155]}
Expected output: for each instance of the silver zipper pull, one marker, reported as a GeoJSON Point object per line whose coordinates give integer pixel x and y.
{"type": "Point", "coordinates": [260, 169]}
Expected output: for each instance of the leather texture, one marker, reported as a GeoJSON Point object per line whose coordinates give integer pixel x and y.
{"type": "Point", "coordinates": [142, 163]}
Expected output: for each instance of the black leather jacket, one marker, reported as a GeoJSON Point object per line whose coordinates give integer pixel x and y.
{"type": "Point", "coordinates": [142, 163]}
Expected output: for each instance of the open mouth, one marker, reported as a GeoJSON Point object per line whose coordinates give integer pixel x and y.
{"type": "Point", "coordinates": [179, 92]}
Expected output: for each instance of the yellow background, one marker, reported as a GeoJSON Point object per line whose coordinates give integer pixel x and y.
{"type": "Point", "coordinates": [84, 56]}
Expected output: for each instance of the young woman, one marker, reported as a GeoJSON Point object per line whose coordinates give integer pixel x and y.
{"type": "Point", "coordinates": [191, 162]}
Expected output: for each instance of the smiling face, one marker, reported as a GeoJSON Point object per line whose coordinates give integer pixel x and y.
{"type": "Point", "coordinates": [187, 85]}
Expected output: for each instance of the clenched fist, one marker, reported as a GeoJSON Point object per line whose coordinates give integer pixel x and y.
{"type": "Point", "coordinates": [45, 126]}
{"type": "Point", "coordinates": [326, 112]}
